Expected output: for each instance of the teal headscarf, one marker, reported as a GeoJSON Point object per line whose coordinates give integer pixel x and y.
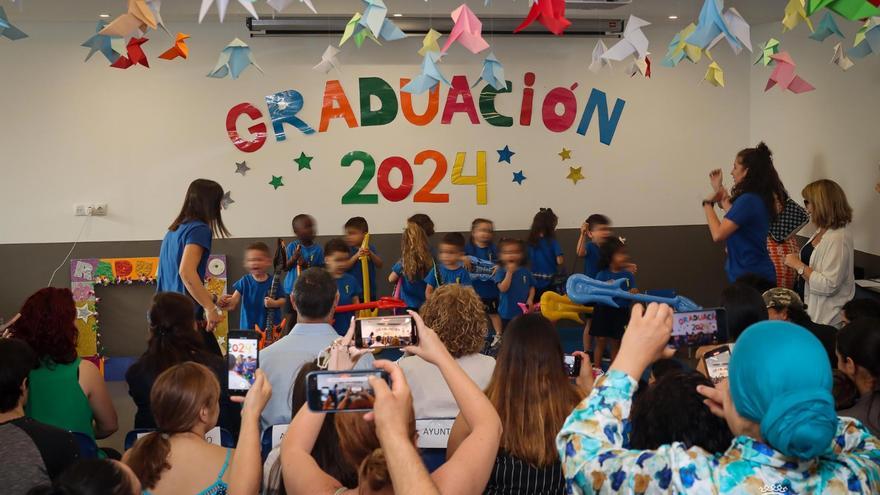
{"type": "Point", "coordinates": [779, 377]}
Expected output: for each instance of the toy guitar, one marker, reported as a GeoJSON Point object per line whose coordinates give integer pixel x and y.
{"type": "Point", "coordinates": [557, 307]}
{"type": "Point", "coordinates": [585, 290]}
{"type": "Point", "coordinates": [365, 275]}
{"type": "Point", "coordinates": [382, 303]}
{"type": "Point", "coordinates": [481, 269]}
{"type": "Point", "coordinates": [271, 332]}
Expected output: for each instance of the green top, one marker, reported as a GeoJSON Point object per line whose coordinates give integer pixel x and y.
{"type": "Point", "coordinates": [55, 398]}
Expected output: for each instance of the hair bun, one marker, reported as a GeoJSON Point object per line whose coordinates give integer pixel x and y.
{"type": "Point", "coordinates": [762, 148]}
{"type": "Point", "coordinates": [374, 470]}
{"type": "Point", "coordinates": [800, 424]}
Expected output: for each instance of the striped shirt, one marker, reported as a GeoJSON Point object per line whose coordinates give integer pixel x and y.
{"type": "Point", "coordinates": [514, 476]}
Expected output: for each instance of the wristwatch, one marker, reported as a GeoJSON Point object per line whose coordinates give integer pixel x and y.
{"type": "Point", "coordinates": [801, 270]}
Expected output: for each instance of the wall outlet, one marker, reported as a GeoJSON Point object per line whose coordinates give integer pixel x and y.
{"type": "Point", "coordinates": [90, 209]}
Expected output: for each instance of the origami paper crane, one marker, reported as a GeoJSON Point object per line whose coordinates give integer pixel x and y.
{"type": "Point", "coordinates": [598, 62]}
{"type": "Point", "coordinates": [221, 8]}
{"type": "Point", "coordinates": [134, 22]}
{"type": "Point", "coordinates": [493, 73]}
{"type": "Point", "coordinates": [714, 75]}
{"type": "Point", "coordinates": [679, 48]}
{"type": "Point", "coordinates": [853, 10]}
{"type": "Point", "coordinates": [353, 28]}
{"type": "Point", "coordinates": [741, 32]}
{"type": "Point", "coordinates": [784, 75]}
{"type": "Point", "coordinates": [826, 28]}
{"type": "Point", "coordinates": [374, 19]}
{"type": "Point", "coordinates": [634, 41]}
{"type": "Point", "coordinates": [7, 30]}
{"type": "Point", "coordinates": [135, 54]}
{"type": "Point", "coordinates": [100, 43]}
{"type": "Point", "coordinates": [642, 67]}
{"type": "Point", "coordinates": [178, 50]}
{"type": "Point", "coordinates": [840, 59]}
{"type": "Point", "coordinates": [155, 6]}
{"type": "Point", "coordinates": [328, 60]}
{"type": "Point", "coordinates": [429, 77]}
{"type": "Point", "coordinates": [429, 43]}
{"type": "Point", "coordinates": [280, 5]}
{"type": "Point", "coordinates": [712, 24]}
{"type": "Point", "coordinates": [770, 48]}
{"type": "Point", "coordinates": [468, 31]}
{"type": "Point", "coordinates": [867, 40]}
{"type": "Point", "coordinates": [794, 14]}
{"type": "Point", "coordinates": [233, 60]}
{"type": "Point", "coordinates": [550, 13]}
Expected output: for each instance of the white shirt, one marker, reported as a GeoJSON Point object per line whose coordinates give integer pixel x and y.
{"type": "Point", "coordinates": [832, 283]}
{"type": "Point", "coordinates": [431, 396]}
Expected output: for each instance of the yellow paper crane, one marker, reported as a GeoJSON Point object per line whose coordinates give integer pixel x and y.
{"type": "Point", "coordinates": [557, 307]}
{"type": "Point", "coordinates": [365, 273]}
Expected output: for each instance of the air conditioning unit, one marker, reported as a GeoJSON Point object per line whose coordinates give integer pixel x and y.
{"type": "Point", "coordinates": [595, 4]}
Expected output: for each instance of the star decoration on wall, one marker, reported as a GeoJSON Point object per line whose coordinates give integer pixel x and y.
{"type": "Point", "coordinates": [84, 312]}
{"type": "Point", "coordinates": [565, 154]}
{"type": "Point", "coordinates": [504, 155]}
{"type": "Point", "coordinates": [304, 161]}
{"type": "Point", "coordinates": [241, 168]}
{"type": "Point", "coordinates": [574, 174]}
{"type": "Point", "coordinates": [518, 177]}
{"type": "Point", "coordinates": [276, 182]}
{"type": "Point", "coordinates": [227, 200]}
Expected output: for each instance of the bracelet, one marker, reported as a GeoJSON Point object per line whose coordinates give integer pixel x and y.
{"type": "Point", "coordinates": [709, 203]}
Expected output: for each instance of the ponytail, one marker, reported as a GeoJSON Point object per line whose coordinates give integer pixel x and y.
{"type": "Point", "coordinates": [374, 471]}
{"type": "Point", "coordinates": [149, 458]}
{"type": "Point", "coordinates": [761, 178]}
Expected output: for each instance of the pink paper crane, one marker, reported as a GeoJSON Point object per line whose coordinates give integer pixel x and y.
{"type": "Point", "coordinates": [468, 30]}
{"type": "Point", "coordinates": [550, 13]}
{"type": "Point", "coordinates": [784, 75]}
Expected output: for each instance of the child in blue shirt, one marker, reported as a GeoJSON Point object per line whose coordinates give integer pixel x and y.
{"type": "Point", "coordinates": [302, 253]}
{"type": "Point", "coordinates": [356, 229]}
{"type": "Point", "coordinates": [450, 269]}
{"type": "Point", "coordinates": [609, 323]}
{"type": "Point", "coordinates": [252, 291]}
{"type": "Point", "coordinates": [335, 257]}
{"type": "Point", "coordinates": [514, 281]}
{"type": "Point", "coordinates": [594, 232]}
{"type": "Point", "coordinates": [415, 264]}
{"type": "Point", "coordinates": [544, 251]}
{"type": "Point", "coordinates": [482, 247]}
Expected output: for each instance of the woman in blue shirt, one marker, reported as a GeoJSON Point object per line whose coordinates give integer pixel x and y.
{"type": "Point", "coordinates": [183, 257]}
{"type": "Point", "coordinates": [756, 193]}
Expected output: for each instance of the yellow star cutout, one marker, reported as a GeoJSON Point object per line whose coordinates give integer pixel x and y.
{"type": "Point", "coordinates": [429, 43]}
{"type": "Point", "coordinates": [574, 174]}
{"type": "Point", "coordinates": [565, 154]}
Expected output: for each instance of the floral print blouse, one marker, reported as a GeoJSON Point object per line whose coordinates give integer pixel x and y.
{"type": "Point", "coordinates": [595, 458]}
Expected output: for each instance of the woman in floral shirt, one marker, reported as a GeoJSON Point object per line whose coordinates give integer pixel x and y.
{"type": "Point", "coordinates": [788, 439]}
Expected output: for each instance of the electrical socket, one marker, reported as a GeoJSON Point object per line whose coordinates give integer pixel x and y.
{"type": "Point", "coordinates": [90, 209]}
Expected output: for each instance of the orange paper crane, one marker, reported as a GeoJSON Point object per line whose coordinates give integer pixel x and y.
{"type": "Point", "coordinates": [178, 50]}
{"type": "Point", "coordinates": [135, 56]}
{"type": "Point", "coordinates": [550, 13]}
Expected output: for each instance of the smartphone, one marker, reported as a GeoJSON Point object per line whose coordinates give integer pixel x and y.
{"type": "Point", "coordinates": [341, 391]}
{"type": "Point", "coordinates": [572, 365]}
{"type": "Point", "coordinates": [701, 327]}
{"type": "Point", "coordinates": [385, 332]}
{"type": "Point", "coordinates": [243, 356]}
{"type": "Point", "coordinates": [717, 361]}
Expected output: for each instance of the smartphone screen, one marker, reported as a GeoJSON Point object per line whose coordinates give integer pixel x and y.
{"type": "Point", "coordinates": [242, 354]}
{"type": "Point", "coordinates": [572, 365]}
{"type": "Point", "coordinates": [385, 332]}
{"type": "Point", "coordinates": [334, 391]}
{"type": "Point", "coordinates": [717, 360]}
{"type": "Point", "coordinates": [696, 328]}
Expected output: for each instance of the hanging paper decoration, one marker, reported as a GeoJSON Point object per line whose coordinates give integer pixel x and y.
{"type": "Point", "coordinates": [133, 23]}
{"type": "Point", "coordinates": [679, 48]}
{"type": "Point", "coordinates": [372, 23]}
{"type": "Point", "coordinates": [429, 43]}
{"type": "Point", "coordinates": [598, 62]}
{"type": "Point", "coordinates": [784, 75]}
{"type": "Point", "coordinates": [714, 75]}
{"type": "Point", "coordinates": [178, 50]}
{"type": "Point", "coordinates": [135, 56]}
{"type": "Point", "coordinates": [867, 39]}
{"type": "Point", "coordinates": [467, 30]}
{"type": "Point", "coordinates": [7, 30]}
{"type": "Point", "coordinates": [827, 27]}
{"type": "Point", "coordinates": [794, 14]}
{"type": "Point", "coordinates": [353, 28]}
{"type": "Point", "coordinates": [155, 6]}
{"type": "Point", "coordinates": [642, 67]}
{"type": "Point", "coordinates": [550, 13]}
{"type": "Point", "coordinates": [740, 30]}
{"type": "Point", "coordinates": [328, 60]}
{"type": "Point", "coordinates": [429, 77]}
{"type": "Point", "coordinates": [493, 73]}
{"type": "Point", "coordinates": [227, 200]}
{"type": "Point", "coordinates": [221, 8]}
{"type": "Point", "coordinates": [575, 174]}
{"type": "Point", "coordinates": [768, 49]}
{"type": "Point", "coordinates": [101, 43]}
{"type": "Point", "coordinates": [280, 5]}
{"type": "Point", "coordinates": [233, 60]}
{"type": "Point", "coordinates": [853, 10]}
{"type": "Point", "coordinates": [518, 177]}
{"type": "Point", "coordinates": [840, 59]}
{"type": "Point", "coordinates": [634, 41]}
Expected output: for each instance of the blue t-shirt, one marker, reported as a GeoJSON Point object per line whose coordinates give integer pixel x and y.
{"type": "Point", "coordinates": [411, 291]}
{"type": "Point", "coordinates": [253, 311]}
{"type": "Point", "coordinates": [591, 260]}
{"type": "Point", "coordinates": [171, 253]}
{"type": "Point", "coordinates": [543, 260]}
{"type": "Point", "coordinates": [747, 247]}
{"type": "Point", "coordinates": [486, 289]}
{"type": "Point", "coordinates": [312, 256]}
{"type": "Point", "coordinates": [348, 288]}
{"type": "Point", "coordinates": [607, 275]}
{"type": "Point", "coordinates": [357, 272]}
{"type": "Point", "coordinates": [520, 283]}
{"type": "Point", "coordinates": [456, 276]}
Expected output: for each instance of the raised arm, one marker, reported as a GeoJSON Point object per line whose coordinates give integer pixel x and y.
{"type": "Point", "coordinates": [581, 249]}
{"type": "Point", "coordinates": [301, 472]}
{"type": "Point", "coordinates": [246, 470]}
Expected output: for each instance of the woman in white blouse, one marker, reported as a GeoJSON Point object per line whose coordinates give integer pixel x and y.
{"type": "Point", "coordinates": [826, 260]}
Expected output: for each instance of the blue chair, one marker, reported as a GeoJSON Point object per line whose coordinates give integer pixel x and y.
{"type": "Point", "coordinates": [132, 436]}
{"type": "Point", "coordinates": [433, 458]}
{"type": "Point", "coordinates": [217, 436]}
{"type": "Point", "coordinates": [271, 438]}
{"type": "Point", "coordinates": [88, 449]}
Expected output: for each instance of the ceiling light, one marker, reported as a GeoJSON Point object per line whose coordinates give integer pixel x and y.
{"type": "Point", "coordinates": [104, 16]}
{"type": "Point", "coordinates": [396, 15]}
{"type": "Point", "coordinates": [673, 17]}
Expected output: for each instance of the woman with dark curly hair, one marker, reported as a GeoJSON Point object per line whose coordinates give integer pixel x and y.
{"type": "Point", "coordinates": [456, 313]}
{"type": "Point", "coordinates": [65, 391]}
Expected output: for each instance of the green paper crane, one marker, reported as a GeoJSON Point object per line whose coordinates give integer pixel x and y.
{"type": "Point", "coordinates": [853, 10]}
{"type": "Point", "coordinates": [768, 49]}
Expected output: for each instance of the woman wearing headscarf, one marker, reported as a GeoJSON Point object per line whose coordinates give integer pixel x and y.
{"type": "Point", "coordinates": [778, 405]}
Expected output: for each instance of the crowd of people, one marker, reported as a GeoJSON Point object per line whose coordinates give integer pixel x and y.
{"type": "Point", "coordinates": [798, 411]}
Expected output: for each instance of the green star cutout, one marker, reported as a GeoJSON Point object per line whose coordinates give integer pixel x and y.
{"type": "Point", "coordinates": [304, 161]}
{"type": "Point", "coordinates": [276, 182]}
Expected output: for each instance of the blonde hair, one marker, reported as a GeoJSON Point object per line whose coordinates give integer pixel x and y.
{"type": "Point", "coordinates": [831, 210]}
{"type": "Point", "coordinates": [415, 253]}
{"type": "Point", "coordinates": [457, 314]}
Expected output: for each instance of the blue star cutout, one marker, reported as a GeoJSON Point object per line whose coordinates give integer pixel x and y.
{"type": "Point", "coordinates": [504, 155]}
{"type": "Point", "coordinates": [518, 177]}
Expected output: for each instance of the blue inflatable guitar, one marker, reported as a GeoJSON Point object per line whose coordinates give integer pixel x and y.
{"type": "Point", "coordinates": [481, 269]}
{"type": "Point", "coordinates": [585, 290]}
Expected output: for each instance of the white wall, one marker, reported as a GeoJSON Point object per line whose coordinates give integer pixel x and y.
{"type": "Point", "coordinates": [828, 133]}
{"type": "Point", "coordinates": [134, 138]}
